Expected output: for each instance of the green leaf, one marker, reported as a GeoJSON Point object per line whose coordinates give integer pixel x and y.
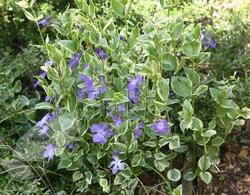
{"type": "Point", "coordinates": [66, 120]}
{"type": "Point", "coordinates": [132, 146]}
{"type": "Point", "coordinates": [117, 7]}
{"type": "Point", "coordinates": [230, 104]}
{"type": "Point", "coordinates": [72, 102]}
{"type": "Point", "coordinates": [177, 30]}
{"type": "Point", "coordinates": [196, 32]}
{"type": "Point", "coordinates": [59, 150]}
{"type": "Point", "coordinates": [159, 156]}
{"type": "Point", "coordinates": [137, 160]}
{"type": "Point", "coordinates": [161, 165]}
{"type": "Point", "coordinates": [23, 4]}
{"type": "Point", "coordinates": [150, 144]}
{"type": "Point", "coordinates": [206, 177]}
{"type": "Point", "coordinates": [197, 124]}
{"type": "Point", "coordinates": [245, 113]}
{"type": "Point", "coordinates": [169, 61]}
{"type": "Point", "coordinates": [29, 15]}
{"type": "Point", "coordinates": [92, 158]}
{"type": "Point", "coordinates": [177, 191]}
{"type": "Point", "coordinates": [163, 141]}
{"type": "Point", "coordinates": [187, 109]}
{"type": "Point", "coordinates": [182, 86]}
{"type": "Point", "coordinates": [174, 143]}
{"type": "Point", "coordinates": [104, 184]}
{"type": "Point", "coordinates": [69, 45]}
{"type": "Point", "coordinates": [209, 133]}
{"type": "Point", "coordinates": [133, 37]}
{"type": "Point", "coordinates": [119, 179]}
{"type": "Point", "coordinates": [60, 138]}
{"type": "Point", "coordinates": [192, 48]}
{"type": "Point", "coordinates": [217, 141]}
{"type": "Point", "coordinates": [193, 76]}
{"type": "Point", "coordinates": [204, 56]}
{"type": "Point", "coordinates": [174, 175]}
{"type": "Point", "coordinates": [44, 106]}
{"type": "Point", "coordinates": [64, 163]}
{"type": "Point", "coordinates": [162, 88]}
{"type": "Point", "coordinates": [91, 9]}
{"type": "Point", "coordinates": [18, 86]}
{"type": "Point", "coordinates": [53, 74]}
{"type": "Point", "coordinates": [77, 175]}
{"type": "Point", "coordinates": [119, 146]}
{"type": "Point", "coordinates": [185, 124]}
{"type": "Point", "coordinates": [89, 177]}
{"type": "Point", "coordinates": [132, 184]}
{"type": "Point", "coordinates": [204, 163]}
{"type": "Point", "coordinates": [201, 89]}
{"type": "Point", "coordinates": [189, 176]}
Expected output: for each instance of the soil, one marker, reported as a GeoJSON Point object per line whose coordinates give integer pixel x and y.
{"type": "Point", "coordinates": [234, 175]}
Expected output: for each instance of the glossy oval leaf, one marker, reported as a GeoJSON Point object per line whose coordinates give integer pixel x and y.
{"type": "Point", "coordinates": [182, 86]}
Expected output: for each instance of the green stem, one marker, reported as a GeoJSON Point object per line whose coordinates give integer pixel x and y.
{"type": "Point", "coordinates": [10, 116]}
{"type": "Point", "coordinates": [141, 183]}
{"type": "Point", "coordinates": [39, 30]}
{"type": "Point", "coordinates": [164, 179]}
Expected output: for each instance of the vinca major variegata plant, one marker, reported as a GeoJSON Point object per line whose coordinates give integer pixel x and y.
{"type": "Point", "coordinates": [127, 102]}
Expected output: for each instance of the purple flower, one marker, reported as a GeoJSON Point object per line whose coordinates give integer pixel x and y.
{"type": "Point", "coordinates": [86, 65]}
{"type": "Point", "coordinates": [161, 127]}
{"type": "Point", "coordinates": [49, 152]}
{"type": "Point", "coordinates": [121, 108]}
{"type": "Point", "coordinates": [117, 121]}
{"type": "Point", "coordinates": [44, 22]}
{"type": "Point", "coordinates": [100, 133]}
{"type": "Point", "coordinates": [138, 130]}
{"type": "Point", "coordinates": [212, 44]}
{"type": "Point", "coordinates": [116, 152]}
{"type": "Point", "coordinates": [80, 27]}
{"type": "Point", "coordinates": [122, 38]}
{"type": "Point", "coordinates": [90, 91]}
{"type": "Point", "coordinates": [36, 84]}
{"type": "Point", "coordinates": [70, 146]}
{"type": "Point", "coordinates": [42, 124]}
{"type": "Point", "coordinates": [43, 74]}
{"type": "Point", "coordinates": [88, 81]}
{"type": "Point", "coordinates": [80, 94]}
{"type": "Point", "coordinates": [101, 53]}
{"type": "Point", "coordinates": [43, 121]}
{"type": "Point", "coordinates": [133, 89]}
{"type": "Point", "coordinates": [74, 60]}
{"type": "Point", "coordinates": [116, 164]}
{"type": "Point", "coordinates": [207, 41]}
{"type": "Point", "coordinates": [43, 130]}
{"type": "Point", "coordinates": [48, 63]}
{"type": "Point", "coordinates": [48, 98]}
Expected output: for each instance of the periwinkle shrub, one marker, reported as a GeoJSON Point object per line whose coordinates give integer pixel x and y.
{"type": "Point", "coordinates": [125, 103]}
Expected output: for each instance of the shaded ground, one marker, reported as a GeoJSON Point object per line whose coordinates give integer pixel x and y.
{"type": "Point", "coordinates": [234, 178]}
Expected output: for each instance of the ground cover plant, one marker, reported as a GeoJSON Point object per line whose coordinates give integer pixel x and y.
{"type": "Point", "coordinates": [127, 107]}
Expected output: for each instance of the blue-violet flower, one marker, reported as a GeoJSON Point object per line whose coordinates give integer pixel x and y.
{"type": "Point", "coordinates": [49, 152]}
{"type": "Point", "coordinates": [116, 165]}
{"type": "Point", "coordinates": [101, 53]}
{"type": "Point", "coordinates": [161, 126]}
{"type": "Point", "coordinates": [74, 60]}
{"type": "Point", "coordinates": [133, 89]}
{"type": "Point", "coordinates": [138, 130]}
{"type": "Point", "coordinates": [44, 22]}
{"type": "Point", "coordinates": [100, 133]}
